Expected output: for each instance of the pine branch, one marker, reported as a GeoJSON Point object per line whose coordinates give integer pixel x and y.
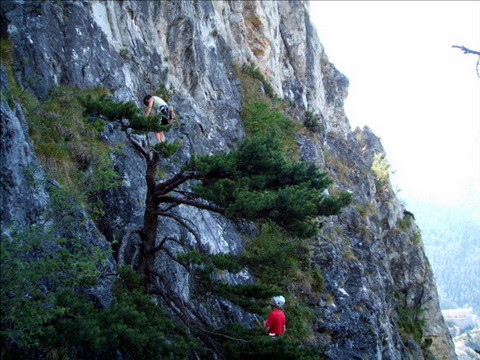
{"type": "Point", "coordinates": [197, 204]}
{"type": "Point", "coordinates": [181, 308]}
{"type": "Point", "coordinates": [159, 246]}
{"type": "Point", "coordinates": [137, 145]}
{"type": "Point", "coordinates": [225, 336]}
{"type": "Point", "coordinates": [173, 257]}
{"type": "Point", "coordinates": [170, 207]}
{"type": "Point", "coordinates": [172, 183]}
{"type": "Point", "coordinates": [185, 225]}
{"type": "Point", "coordinates": [187, 194]}
{"type": "Point", "coordinates": [184, 312]}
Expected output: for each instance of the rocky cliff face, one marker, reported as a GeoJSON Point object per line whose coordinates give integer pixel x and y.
{"type": "Point", "coordinates": [371, 255]}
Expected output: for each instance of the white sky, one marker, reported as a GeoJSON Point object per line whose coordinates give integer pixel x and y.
{"type": "Point", "coordinates": [416, 92]}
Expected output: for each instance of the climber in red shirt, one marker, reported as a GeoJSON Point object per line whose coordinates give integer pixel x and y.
{"type": "Point", "coordinates": [275, 323]}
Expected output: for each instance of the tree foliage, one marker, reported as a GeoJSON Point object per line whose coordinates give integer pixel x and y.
{"type": "Point", "coordinates": [273, 243]}
{"type": "Point", "coordinates": [62, 320]}
{"type": "Point", "coordinates": [45, 312]}
{"type": "Point", "coordinates": [257, 346]}
{"type": "Point", "coordinates": [410, 320]}
{"type": "Point", "coordinates": [257, 182]}
{"type": "Point", "coordinates": [312, 122]}
{"type": "Point", "coordinates": [381, 170]}
{"type": "Point", "coordinates": [132, 325]}
{"type": "Point", "coordinates": [35, 265]}
{"type": "Point", "coordinates": [451, 235]}
{"type": "Point", "coordinates": [104, 106]}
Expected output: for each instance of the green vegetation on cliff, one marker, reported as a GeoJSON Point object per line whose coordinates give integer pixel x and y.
{"type": "Point", "coordinates": [259, 181]}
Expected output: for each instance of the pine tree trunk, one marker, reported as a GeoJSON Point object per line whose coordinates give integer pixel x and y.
{"type": "Point", "coordinates": [148, 234]}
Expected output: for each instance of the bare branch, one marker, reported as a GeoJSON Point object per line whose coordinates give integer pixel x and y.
{"type": "Point", "coordinates": [197, 204]}
{"type": "Point", "coordinates": [466, 50]}
{"type": "Point", "coordinates": [159, 246]}
{"type": "Point", "coordinates": [185, 311]}
{"type": "Point", "coordinates": [171, 184]}
{"type": "Point", "coordinates": [186, 226]}
{"type": "Point", "coordinates": [137, 145]}
{"type": "Point", "coordinates": [180, 305]}
{"type": "Point", "coordinates": [166, 251]}
{"type": "Point", "coordinates": [187, 194]}
{"type": "Point", "coordinates": [225, 336]}
{"type": "Point", "coordinates": [174, 258]}
{"type": "Point", "coordinates": [176, 307]}
{"type": "Point", "coordinates": [170, 207]}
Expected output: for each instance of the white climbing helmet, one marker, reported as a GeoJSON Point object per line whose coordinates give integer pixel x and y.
{"type": "Point", "coordinates": [278, 301]}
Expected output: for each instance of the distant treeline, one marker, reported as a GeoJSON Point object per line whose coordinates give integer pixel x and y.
{"type": "Point", "coordinates": [452, 244]}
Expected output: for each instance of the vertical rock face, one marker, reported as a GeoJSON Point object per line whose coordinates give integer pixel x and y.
{"type": "Point", "coordinates": [371, 255]}
{"type": "Point", "coordinates": [17, 157]}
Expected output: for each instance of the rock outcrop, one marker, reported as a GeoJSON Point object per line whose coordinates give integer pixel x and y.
{"type": "Point", "coordinates": [371, 255]}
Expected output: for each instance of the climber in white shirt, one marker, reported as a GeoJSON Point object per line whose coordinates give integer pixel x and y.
{"type": "Point", "coordinates": [159, 105]}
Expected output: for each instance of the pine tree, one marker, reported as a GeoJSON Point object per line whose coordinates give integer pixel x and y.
{"type": "Point", "coordinates": [256, 181]}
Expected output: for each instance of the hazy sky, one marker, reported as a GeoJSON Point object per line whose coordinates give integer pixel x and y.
{"type": "Point", "coordinates": [416, 92]}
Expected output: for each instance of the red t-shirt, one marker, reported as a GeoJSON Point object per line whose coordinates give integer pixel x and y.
{"type": "Point", "coordinates": [276, 321]}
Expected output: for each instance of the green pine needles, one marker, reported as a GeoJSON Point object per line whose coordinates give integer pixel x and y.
{"type": "Point", "coordinates": [257, 182]}
{"type": "Point", "coordinates": [410, 319]}
{"type": "Point", "coordinates": [255, 73]}
{"type": "Point", "coordinates": [105, 107]}
{"type": "Point", "coordinates": [132, 325]}
{"type": "Point", "coordinates": [381, 170]}
{"type": "Point", "coordinates": [257, 346]}
{"type": "Point", "coordinates": [45, 313]}
{"type": "Point", "coordinates": [36, 265]}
